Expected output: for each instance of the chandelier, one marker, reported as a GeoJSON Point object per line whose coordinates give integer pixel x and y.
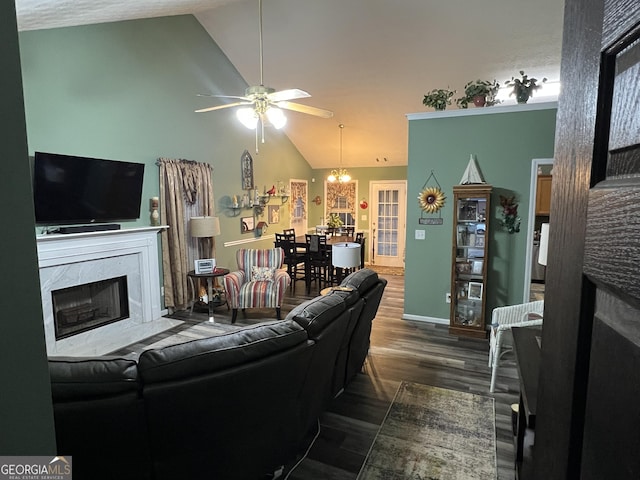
{"type": "Point", "coordinates": [339, 175]}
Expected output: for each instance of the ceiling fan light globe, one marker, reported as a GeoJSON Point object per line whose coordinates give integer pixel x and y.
{"type": "Point", "coordinates": [332, 177]}
{"type": "Point", "coordinates": [276, 117]}
{"type": "Point", "coordinates": [345, 177]}
{"type": "Point", "coordinates": [247, 117]}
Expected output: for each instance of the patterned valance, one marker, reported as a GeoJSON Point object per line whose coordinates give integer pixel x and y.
{"type": "Point", "coordinates": [347, 190]}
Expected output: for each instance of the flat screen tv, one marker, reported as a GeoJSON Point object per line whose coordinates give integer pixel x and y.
{"type": "Point", "coordinates": [75, 190]}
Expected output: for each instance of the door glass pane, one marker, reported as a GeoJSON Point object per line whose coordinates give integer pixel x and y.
{"type": "Point", "coordinates": [387, 221]}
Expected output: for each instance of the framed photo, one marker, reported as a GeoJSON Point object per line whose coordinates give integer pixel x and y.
{"type": "Point", "coordinates": [468, 210]}
{"type": "Point", "coordinates": [479, 241]}
{"type": "Point", "coordinates": [247, 224]}
{"type": "Point", "coordinates": [206, 265]}
{"type": "Point", "coordinates": [463, 267]}
{"type": "Point", "coordinates": [475, 291]}
{"type": "Point", "coordinates": [247, 170]}
{"type": "Point", "coordinates": [274, 214]}
{"type": "Point", "coordinates": [476, 267]}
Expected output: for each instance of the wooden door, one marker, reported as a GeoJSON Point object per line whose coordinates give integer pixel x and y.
{"type": "Point", "coordinates": [588, 423]}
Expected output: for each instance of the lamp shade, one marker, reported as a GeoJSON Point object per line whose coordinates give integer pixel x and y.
{"type": "Point", "coordinates": [345, 255]}
{"type": "Point", "coordinates": [544, 244]}
{"type": "Point", "coordinates": [204, 226]}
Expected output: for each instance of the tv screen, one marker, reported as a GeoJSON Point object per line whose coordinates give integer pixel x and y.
{"type": "Point", "coordinates": [73, 190]}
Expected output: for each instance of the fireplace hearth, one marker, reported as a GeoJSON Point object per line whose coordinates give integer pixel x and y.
{"type": "Point", "coordinates": [84, 307]}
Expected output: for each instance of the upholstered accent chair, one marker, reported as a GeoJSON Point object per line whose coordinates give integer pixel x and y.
{"type": "Point", "coordinates": [259, 282]}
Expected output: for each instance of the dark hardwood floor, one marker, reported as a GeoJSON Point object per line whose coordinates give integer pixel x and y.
{"type": "Point", "coordinates": [414, 351]}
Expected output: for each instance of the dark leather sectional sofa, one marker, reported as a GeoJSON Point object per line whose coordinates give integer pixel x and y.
{"type": "Point", "coordinates": [235, 406]}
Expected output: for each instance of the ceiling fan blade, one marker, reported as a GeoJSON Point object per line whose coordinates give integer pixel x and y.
{"type": "Point", "coordinates": [298, 107]}
{"type": "Point", "coordinates": [289, 94]}
{"type": "Point", "coordinates": [222, 96]}
{"type": "Point", "coordinates": [220, 107]}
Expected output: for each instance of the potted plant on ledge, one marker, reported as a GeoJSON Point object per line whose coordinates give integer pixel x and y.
{"type": "Point", "coordinates": [523, 87]}
{"type": "Point", "coordinates": [438, 98]}
{"type": "Point", "coordinates": [479, 92]}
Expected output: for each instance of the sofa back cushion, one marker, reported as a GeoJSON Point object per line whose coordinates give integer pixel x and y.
{"type": "Point", "coordinates": [362, 280]}
{"type": "Point", "coordinates": [326, 318]}
{"type": "Point", "coordinates": [235, 396]}
{"type": "Point", "coordinates": [99, 415]}
{"type": "Point", "coordinates": [370, 287]}
{"type": "Point", "coordinates": [214, 354]}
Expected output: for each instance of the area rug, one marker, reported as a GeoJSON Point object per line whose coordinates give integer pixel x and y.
{"type": "Point", "coordinates": [432, 433]}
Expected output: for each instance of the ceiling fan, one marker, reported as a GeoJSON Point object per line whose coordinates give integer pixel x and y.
{"type": "Point", "coordinates": [263, 104]}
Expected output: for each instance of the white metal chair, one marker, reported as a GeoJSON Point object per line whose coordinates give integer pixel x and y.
{"type": "Point", "coordinates": [505, 318]}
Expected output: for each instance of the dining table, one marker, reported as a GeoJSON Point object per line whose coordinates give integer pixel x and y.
{"type": "Point", "coordinates": [301, 242]}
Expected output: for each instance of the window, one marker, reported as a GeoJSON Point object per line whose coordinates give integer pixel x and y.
{"type": "Point", "coordinates": [341, 200]}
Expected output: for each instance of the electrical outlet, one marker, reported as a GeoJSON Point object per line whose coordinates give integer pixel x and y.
{"type": "Point", "coordinates": [420, 234]}
{"type": "Point", "coordinates": [447, 297]}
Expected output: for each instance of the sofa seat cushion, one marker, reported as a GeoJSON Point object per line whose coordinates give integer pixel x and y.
{"type": "Point", "coordinates": [208, 355]}
{"type": "Point", "coordinates": [75, 378]}
{"type": "Point", "coordinates": [315, 314]}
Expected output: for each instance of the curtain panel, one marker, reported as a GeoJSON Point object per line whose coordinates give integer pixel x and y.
{"type": "Point", "coordinates": [186, 190]}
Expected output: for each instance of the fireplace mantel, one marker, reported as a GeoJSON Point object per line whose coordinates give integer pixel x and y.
{"type": "Point", "coordinates": [78, 258]}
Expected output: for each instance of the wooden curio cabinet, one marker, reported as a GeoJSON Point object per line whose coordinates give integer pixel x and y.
{"type": "Point", "coordinates": [471, 205]}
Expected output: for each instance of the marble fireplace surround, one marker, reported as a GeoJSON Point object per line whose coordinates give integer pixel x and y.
{"type": "Point", "coordinates": [79, 258]}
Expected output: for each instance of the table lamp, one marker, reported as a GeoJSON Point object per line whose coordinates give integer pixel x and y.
{"type": "Point", "coordinates": [205, 227]}
{"type": "Point", "coordinates": [345, 256]}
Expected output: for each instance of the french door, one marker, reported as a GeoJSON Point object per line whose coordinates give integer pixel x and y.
{"type": "Point", "coordinates": [388, 213]}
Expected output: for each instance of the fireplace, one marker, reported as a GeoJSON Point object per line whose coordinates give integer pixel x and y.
{"type": "Point", "coordinates": [90, 305]}
{"type": "Point", "coordinates": [100, 291]}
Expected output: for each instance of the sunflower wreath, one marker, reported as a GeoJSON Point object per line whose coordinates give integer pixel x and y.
{"type": "Point", "coordinates": [431, 199]}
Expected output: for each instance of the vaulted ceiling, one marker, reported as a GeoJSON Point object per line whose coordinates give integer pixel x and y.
{"type": "Point", "coordinates": [368, 61]}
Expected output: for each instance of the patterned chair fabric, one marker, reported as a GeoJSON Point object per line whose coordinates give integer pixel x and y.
{"type": "Point", "coordinates": [259, 282]}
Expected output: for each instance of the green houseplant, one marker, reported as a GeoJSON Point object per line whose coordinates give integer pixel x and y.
{"type": "Point", "coordinates": [523, 87]}
{"type": "Point", "coordinates": [479, 92]}
{"type": "Point", "coordinates": [438, 98]}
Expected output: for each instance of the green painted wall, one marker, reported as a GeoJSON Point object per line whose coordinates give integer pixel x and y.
{"type": "Point", "coordinates": [504, 145]}
{"type": "Point", "coordinates": [127, 91]}
{"type": "Point", "coordinates": [26, 418]}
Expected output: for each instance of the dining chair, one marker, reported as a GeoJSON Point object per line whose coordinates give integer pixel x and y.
{"type": "Point", "coordinates": [293, 258]}
{"type": "Point", "coordinates": [348, 231]}
{"type": "Point", "coordinates": [289, 231]}
{"type": "Point", "coordinates": [361, 240]}
{"type": "Point", "coordinates": [319, 267]}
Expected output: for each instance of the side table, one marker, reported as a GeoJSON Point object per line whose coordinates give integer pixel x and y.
{"type": "Point", "coordinates": [217, 272]}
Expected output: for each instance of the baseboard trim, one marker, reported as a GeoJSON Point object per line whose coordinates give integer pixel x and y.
{"type": "Point", "coordinates": [422, 318]}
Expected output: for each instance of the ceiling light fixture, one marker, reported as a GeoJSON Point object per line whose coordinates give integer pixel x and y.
{"type": "Point", "coordinates": [339, 175]}
{"type": "Point", "coordinates": [264, 104]}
